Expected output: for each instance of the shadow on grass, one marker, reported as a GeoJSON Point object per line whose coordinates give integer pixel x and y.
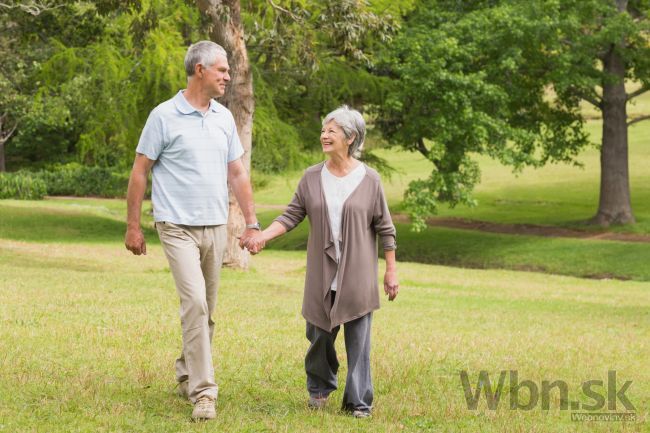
{"type": "Point", "coordinates": [43, 224]}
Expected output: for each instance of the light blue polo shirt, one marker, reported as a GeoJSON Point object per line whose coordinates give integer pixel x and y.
{"type": "Point", "coordinates": [192, 151]}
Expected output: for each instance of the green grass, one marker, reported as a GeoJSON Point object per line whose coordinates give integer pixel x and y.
{"type": "Point", "coordinates": [475, 249]}
{"type": "Point", "coordinates": [89, 333]}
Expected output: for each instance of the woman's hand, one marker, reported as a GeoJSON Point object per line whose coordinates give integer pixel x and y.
{"type": "Point", "coordinates": [391, 285]}
{"type": "Point", "coordinates": [255, 243]}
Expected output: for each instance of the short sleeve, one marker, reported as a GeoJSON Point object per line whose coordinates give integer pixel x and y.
{"type": "Point", "coordinates": [152, 140]}
{"type": "Point", "coordinates": [235, 149]}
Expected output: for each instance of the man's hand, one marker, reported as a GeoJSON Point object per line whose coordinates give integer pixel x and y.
{"type": "Point", "coordinates": [391, 285]}
{"type": "Point", "coordinates": [134, 241]}
{"type": "Point", "coordinates": [253, 240]}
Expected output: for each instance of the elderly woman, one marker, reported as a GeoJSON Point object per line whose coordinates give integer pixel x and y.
{"type": "Point", "coordinates": [347, 210]}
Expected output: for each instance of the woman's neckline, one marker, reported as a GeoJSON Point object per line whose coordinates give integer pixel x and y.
{"type": "Point", "coordinates": [352, 169]}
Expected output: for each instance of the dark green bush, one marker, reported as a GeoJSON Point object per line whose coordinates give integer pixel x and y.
{"type": "Point", "coordinates": [21, 186]}
{"type": "Point", "coordinates": [81, 181]}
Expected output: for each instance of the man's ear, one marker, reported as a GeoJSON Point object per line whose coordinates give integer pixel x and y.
{"type": "Point", "coordinates": [198, 70]}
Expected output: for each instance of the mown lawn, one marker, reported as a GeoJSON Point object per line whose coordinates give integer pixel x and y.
{"type": "Point", "coordinates": [88, 335]}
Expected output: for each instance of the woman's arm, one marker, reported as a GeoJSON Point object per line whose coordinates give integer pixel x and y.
{"type": "Point", "coordinates": [391, 285]}
{"type": "Point", "coordinates": [292, 216]}
{"type": "Point", "coordinates": [255, 243]}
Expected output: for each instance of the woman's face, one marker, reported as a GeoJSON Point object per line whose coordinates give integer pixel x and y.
{"type": "Point", "coordinates": [333, 140]}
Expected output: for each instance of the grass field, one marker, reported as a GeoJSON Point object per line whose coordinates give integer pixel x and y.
{"type": "Point", "coordinates": [88, 336]}
{"type": "Point", "coordinates": [89, 333]}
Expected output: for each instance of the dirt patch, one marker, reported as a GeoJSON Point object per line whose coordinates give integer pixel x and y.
{"type": "Point", "coordinates": [527, 229]}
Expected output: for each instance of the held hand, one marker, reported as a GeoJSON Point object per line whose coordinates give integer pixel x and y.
{"type": "Point", "coordinates": [134, 241]}
{"type": "Point", "coordinates": [253, 240]}
{"type": "Point", "coordinates": [391, 285]}
{"type": "Point", "coordinates": [245, 237]}
{"type": "Point", "coordinates": [256, 243]}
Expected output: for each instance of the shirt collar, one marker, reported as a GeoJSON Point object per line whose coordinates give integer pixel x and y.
{"type": "Point", "coordinates": [186, 108]}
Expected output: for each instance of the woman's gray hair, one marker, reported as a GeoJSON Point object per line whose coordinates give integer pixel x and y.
{"type": "Point", "coordinates": [203, 52]}
{"type": "Point", "coordinates": [352, 124]}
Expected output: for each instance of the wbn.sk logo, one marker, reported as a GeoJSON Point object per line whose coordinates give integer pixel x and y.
{"type": "Point", "coordinates": [600, 393]}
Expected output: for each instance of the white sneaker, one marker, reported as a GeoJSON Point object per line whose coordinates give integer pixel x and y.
{"type": "Point", "coordinates": [204, 408]}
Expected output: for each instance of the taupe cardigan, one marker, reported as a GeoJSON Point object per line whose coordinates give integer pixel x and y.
{"type": "Point", "coordinates": [365, 216]}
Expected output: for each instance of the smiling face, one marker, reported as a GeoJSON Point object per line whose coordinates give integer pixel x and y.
{"type": "Point", "coordinates": [333, 140]}
{"type": "Point", "coordinates": [215, 77]}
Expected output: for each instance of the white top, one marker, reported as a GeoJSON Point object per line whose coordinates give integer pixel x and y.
{"type": "Point", "coordinates": [337, 190]}
{"type": "Point", "coordinates": [192, 151]}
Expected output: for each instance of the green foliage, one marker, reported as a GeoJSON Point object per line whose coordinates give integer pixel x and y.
{"type": "Point", "coordinates": [504, 79]}
{"type": "Point", "coordinates": [89, 73]}
{"type": "Point", "coordinates": [276, 144]}
{"type": "Point", "coordinates": [21, 186]}
{"type": "Point", "coordinates": [316, 56]}
{"type": "Point", "coordinates": [74, 179]}
{"type": "Point", "coordinates": [93, 87]}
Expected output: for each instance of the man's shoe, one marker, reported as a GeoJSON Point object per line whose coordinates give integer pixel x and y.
{"type": "Point", "coordinates": [183, 389]}
{"type": "Point", "coordinates": [361, 414]}
{"type": "Point", "coordinates": [204, 408]}
{"type": "Point", "coordinates": [317, 402]}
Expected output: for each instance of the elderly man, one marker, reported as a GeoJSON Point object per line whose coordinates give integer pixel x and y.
{"type": "Point", "coordinates": [190, 143]}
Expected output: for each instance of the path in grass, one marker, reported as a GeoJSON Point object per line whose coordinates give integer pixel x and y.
{"type": "Point", "coordinates": [528, 229]}
{"type": "Point", "coordinates": [596, 233]}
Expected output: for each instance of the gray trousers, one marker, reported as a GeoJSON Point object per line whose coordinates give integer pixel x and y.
{"type": "Point", "coordinates": [321, 364]}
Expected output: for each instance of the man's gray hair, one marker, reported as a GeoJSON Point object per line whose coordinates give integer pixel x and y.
{"type": "Point", "coordinates": [352, 124]}
{"type": "Point", "coordinates": [203, 52]}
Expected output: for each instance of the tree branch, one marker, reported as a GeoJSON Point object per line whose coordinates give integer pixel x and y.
{"type": "Point", "coordinates": [34, 7]}
{"type": "Point", "coordinates": [422, 148]}
{"type": "Point", "coordinates": [286, 11]}
{"type": "Point", "coordinates": [638, 119]}
{"type": "Point", "coordinates": [593, 100]}
{"type": "Point", "coordinates": [641, 90]}
{"type": "Point", "coordinates": [5, 135]}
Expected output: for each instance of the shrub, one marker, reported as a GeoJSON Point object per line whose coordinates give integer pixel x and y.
{"type": "Point", "coordinates": [80, 180]}
{"type": "Point", "coordinates": [21, 186]}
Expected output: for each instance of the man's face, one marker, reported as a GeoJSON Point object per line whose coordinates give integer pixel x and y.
{"type": "Point", "coordinates": [215, 77]}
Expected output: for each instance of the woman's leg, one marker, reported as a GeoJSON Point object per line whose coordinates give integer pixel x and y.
{"type": "Point", "coordinates": [358, 393]}
{"type": "Point", "coordinates": [321, 364]}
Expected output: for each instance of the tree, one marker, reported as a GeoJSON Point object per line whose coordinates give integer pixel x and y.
{"type": "Point", "coordinates": [227, 30]}
{"type": "Point", "coordinates": [506, 79]}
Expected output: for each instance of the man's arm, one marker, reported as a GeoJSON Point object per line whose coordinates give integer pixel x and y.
{"type": "Point", "coordinates": [134, 239]}
{"type": "Point", "coordinates": [241, 186]}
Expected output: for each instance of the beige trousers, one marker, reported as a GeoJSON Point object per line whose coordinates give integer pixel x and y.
{"type": "Point", "coordinates": [195, 254]}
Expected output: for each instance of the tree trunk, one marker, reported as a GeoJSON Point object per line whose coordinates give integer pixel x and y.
{"type": "Point", "coordinates": [3, 139]}
{"type": "Point", "coordinates": [614, 206]}
{"type": "Point", "coordinates": [3, 167]}
{"type": "Point", "coordinates": [227, 30]}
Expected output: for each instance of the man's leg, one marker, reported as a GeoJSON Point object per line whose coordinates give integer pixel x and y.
{"type": "Point", "coordinates": [358, 394]}
{"type": "Point", "coordinates": [212, 252]}
{"type": "Point", "coordinates": [321, 364]}
{"type": "Point", "coordinates": [181, 246]}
